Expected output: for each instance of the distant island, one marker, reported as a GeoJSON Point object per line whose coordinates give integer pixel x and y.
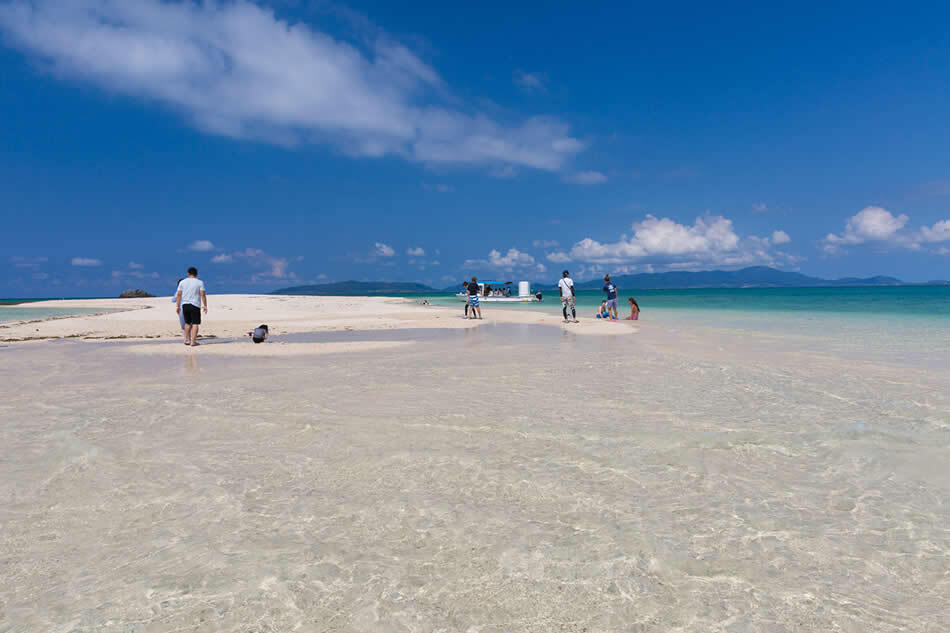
{"type": "Point", "coordinates": [753, 277]}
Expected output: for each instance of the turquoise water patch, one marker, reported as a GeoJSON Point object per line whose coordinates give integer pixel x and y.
{"type": "Point", "coordinates": [32, 314]}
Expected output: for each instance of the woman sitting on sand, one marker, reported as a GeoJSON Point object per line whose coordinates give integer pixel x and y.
{"type": "Point", "coordinates": [603, 313]}
{"type": "Point", "coordinates": [634, 310]}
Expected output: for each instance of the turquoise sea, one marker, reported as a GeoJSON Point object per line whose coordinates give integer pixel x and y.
{"type": "Point", "coordinates": [26, 313]}
{"type": "Point", "coordinates": [896, 323]}
{"type": "Point", "coordinates": [928, 302]}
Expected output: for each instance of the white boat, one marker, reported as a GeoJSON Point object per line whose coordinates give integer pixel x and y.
{"type": "Point", "coordinates": [501, 292]}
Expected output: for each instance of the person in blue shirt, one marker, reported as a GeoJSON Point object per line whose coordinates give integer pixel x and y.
{"type": "Point", "coordinates": [611, 291]}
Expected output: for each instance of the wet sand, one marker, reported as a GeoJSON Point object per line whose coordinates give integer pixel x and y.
{"type": "Point", "coordinates": [509, 477]}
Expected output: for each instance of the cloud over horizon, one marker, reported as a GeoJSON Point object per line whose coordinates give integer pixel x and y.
{"type": "Point", "coordinates": [236, 69]}
{"type": "Point", "coordinates": [878, 225]}
{"type": "Point", "coordinates": [664, 243]}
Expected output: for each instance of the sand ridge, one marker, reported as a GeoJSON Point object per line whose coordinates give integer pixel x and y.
{"type": "Point", "coordinates": [232, 316]}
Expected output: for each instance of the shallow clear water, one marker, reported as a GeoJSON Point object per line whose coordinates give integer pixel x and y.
{"type": "Point", "coordinates": [32, 314]}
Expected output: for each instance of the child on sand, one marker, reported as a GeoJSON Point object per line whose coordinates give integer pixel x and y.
{"type": "Point", "coordinates": [603, 313]}
{"type": "Point", "coordinates": [634, 310]}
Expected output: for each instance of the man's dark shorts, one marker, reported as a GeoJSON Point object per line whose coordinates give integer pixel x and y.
{"type": "Point", "coordinates": [191, 313]}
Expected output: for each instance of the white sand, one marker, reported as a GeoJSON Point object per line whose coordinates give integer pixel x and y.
{"type": "Point", "coordinates": [232, 316]}
{"type": "Point", "coordinates": [511, 477]}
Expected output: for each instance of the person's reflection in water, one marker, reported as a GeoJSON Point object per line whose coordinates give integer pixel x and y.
{"type": "Point", "coordinates": [191, 365]}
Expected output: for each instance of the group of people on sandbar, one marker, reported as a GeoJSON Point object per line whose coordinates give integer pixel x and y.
{"type": "Point", "coordinates": [608, 307]}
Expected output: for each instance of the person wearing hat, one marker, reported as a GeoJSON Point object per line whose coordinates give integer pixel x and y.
{"type": "Point", "coordinates": [566, 288]}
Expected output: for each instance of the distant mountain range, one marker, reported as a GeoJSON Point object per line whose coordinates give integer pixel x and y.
{"type": "Point", "coordinates": [754, 277]}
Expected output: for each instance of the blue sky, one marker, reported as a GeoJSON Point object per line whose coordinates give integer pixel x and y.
{"type": "Point", "coordinates": [300, 142]}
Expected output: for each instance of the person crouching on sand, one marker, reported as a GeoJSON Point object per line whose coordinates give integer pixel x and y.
{"type": "Point", "coordinates": [260, 333]}
{"type": "Point", "coordinates": [603, 313]}
{"type": "Point", "coordinates": [634, 310]}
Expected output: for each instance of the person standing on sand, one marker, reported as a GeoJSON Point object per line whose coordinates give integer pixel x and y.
{"type": "Point", "coordinates": [189, 300]}
{"type": "Point", "coordinates": [611, 291]}
{"type": "Point", "coordinates": [465, 292]}
{"type": "Point", "coordinates": [568, 298]}
{"type": "Point", "coordinates": [473, 298]}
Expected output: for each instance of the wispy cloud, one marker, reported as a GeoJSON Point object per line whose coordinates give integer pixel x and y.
{"type": "Point", "coordinates": [544, 243]}
{"type": "Point", "coordinates": [529, 82]}
{"type": "Point", "coordinates": [234, 69]}
{"type": "Point", "coordinates": [20, 261]}
{"type": "Point", "coordinates": [511, 260]}
{"type": "Point", "coordinates": [201, 246]}
{"type": "Point", "coordinates": [136, 266]}
{"type": "Point", "coordinates": [265, 266]}
{"type": "Point", "coordinates": [416, 252]}
{"type": "Point", "coordinates": [86, 261]}
{"type": "Point", "coordinates": [440, 188]}
{"type": "Point", "coordinates": [586, 178]}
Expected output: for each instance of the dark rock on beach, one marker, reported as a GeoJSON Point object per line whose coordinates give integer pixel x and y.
{"type": "Point", "coordinates": [135, 294]}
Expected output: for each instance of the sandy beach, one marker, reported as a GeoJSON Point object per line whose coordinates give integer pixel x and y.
{"type": "Point", "coordinates": [232, 316]}
{"type": "Point", "coordinates": [386, 466]}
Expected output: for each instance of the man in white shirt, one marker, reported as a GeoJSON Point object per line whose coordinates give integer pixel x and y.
{"type": "Point", "coordinates": [566, 287]}
{"type": "Point", "coordinates": [189, 300]}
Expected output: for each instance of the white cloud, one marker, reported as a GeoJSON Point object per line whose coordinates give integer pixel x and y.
{"type": "Point", "coordinates": [780, 237]}
{"type": "Point", "coordinates": [268, 266]}
{"type": "Point", "coordinates": [880, 226]}
{"type": "Point", "coordinates": [558, 257]}
{"type": "Point", "coordinates": [544, 243]}
{"type": "Point", "coordinates": [760, 207]}
{"type": "Point", "coordinates": [383, 250]}
{"type": "Point", "coordinates": [86, 261]}
{"type": "Point", "coordinates": [586, 178]}
{"type": "Point", "coordinates": [540, 268]}
{"type": "Point", "coordinates": [939, 232]}
{"type": "Point", "coordinates": [416, 252]}
{"type": "Point", "coordinates": [530, 82]}
{"type": "Point", "coordinates": [508, 261]}
{"type": "Point", "coordinates": [234, 69]}
{"type": "Point", "coordinates": [135, 266]}
{"type": "Point", "coordinates": [201, 246]}
{"type": "Point", "coordinates": [28, 262]}
{"type": "Point", "coordinates": [668, 244]}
